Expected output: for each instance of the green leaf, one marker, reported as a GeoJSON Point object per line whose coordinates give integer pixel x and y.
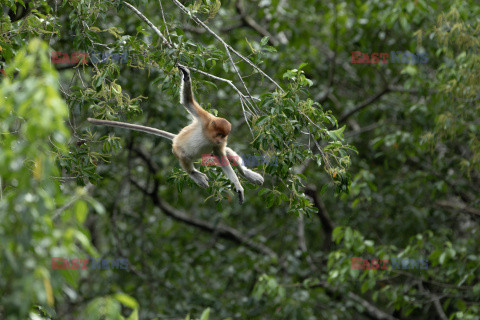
{"type": "Point", "coordinates": [364, 287]}
{"type": "Point", "coordinates": [337, 234]}
{"type": "Point", "coordinates": [263, 191]}
{"type": "Point", "coordinates": [269, 49]}
{"type": "Point", "coordinates": [205, 314]}
{"type": "Point", "coordinates": [302, 65]}
{"type": "Point", "coordinates": [126, 300]}
{"type": "Point", "coordinates": [337, 134]}
{"type": "Point", "coordinates": [80, 209]}
{"type": "Point", "coordinates": [264, 41]}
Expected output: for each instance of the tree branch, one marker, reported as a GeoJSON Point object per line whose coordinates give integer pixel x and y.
{"type": "Point", "coordinates": [160, 34]}
{"type": "Point", "coordinates": [458, 205]}
{"type": "Point", "coordinates": [302, 243]}
{"type": "Point", "coordinates": [364, 104]}
{"type": "Point", "coordinates": [164, 21]}
{"type": "Point", "coordinates": [171, 45]}
{"type": "Point", "coordinates": [251, 23]}
{"type": "Point", "coordinates": [372, 310]}
{"type": "Point", "coordinates": [327, 224]}
{"type": "Point", "coordinates": [198, 21]}
{"type": "Point", "coordinates": [436, 302]}
{"type": "Point", "coordinates": [220, 230]}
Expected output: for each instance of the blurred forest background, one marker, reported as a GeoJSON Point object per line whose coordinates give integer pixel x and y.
{"type": "Point", "coordinates": [375, 160]}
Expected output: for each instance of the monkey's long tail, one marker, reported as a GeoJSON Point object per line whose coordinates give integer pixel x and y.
{"type": "Point", "coordinates": [135, 127]}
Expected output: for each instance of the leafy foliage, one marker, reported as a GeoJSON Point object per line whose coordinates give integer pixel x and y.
{"type": "Point", "coordinates": [376, 160]}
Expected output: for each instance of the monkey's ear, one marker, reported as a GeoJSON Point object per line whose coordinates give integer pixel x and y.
{"type": "Point", "coordinates": [214, 124]}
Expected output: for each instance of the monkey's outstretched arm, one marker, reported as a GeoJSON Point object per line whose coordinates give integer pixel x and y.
{"type": "Point", "coordinates": [135, 127]}
{"type": "Point", "coordinates": [250, 175]}
{"type": "Point", "coordinates": [186, 94]}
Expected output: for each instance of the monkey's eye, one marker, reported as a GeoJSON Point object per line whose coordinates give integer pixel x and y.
{"type": "Point", "coordinates": [221, 135]}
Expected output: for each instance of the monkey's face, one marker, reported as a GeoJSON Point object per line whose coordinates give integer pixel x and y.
{"type": "Point", "coordinates": [219, 130]}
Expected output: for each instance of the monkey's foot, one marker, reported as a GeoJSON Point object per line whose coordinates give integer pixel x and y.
{"type": "Point", "coordinates": [200, 178]}
{"type": "Point", "coordinates": [252, 176]}
{"type": "Point", "coordinates": [240, 196]}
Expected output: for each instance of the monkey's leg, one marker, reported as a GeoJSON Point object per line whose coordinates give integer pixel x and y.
{"type": "Point", "coordinates": [250, 175]}
{"type": "Point", "coordinates": [200, 178]}
{"type": "Point", "coordinates": [227, 169]}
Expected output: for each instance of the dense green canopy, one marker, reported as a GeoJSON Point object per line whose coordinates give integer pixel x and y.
{"type": "Point", "coordinates": [367, 112]}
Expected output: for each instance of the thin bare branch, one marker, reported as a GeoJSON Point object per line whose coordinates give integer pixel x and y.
{"type": "Point", "coordinates": [219, 230]}
{"type": "Point", "coordinates": [327, 224]}
{"type": "Point", "coordinates": [435, 300]}
{"type": "Point", "coordinates": [458, 205]}
{"type": "Point", "coordinates": [239, 75]}
{"type": "Point", "coordinates": [364, 104]}
{"type": "Point", "coordinates": [370, 309]}
{"type": "Point", "coordinates": [171, 45]}
{"type": "Point", "coordinates": [242, 103]}
{"type": "Point", "coordinates": [200, 22]}
{"type": "Point", "coordinates": [151, 25]}
{"type": "Point", "coordinates": [164, 21]}
{"type": "Point", "coordinates": [302, 243]}
{"type": "Point", "coordinates": [229, 82]}
{"type": "Point", "coordinates": [251, 23]}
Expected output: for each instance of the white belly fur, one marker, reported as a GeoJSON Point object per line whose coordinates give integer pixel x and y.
{"type": "Point", "coordinates": [195, 145]}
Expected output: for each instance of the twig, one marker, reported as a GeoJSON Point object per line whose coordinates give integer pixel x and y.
{"type": "Point", "coordinates": [222, 30]}
{"type": "Point", "coordinates": [435, 300]}
{"type": "Point", "coordinates": [171, 45]}
{"type": "Point", "coordinates": [220, 230]}
{"type": "Point", "coordinates": [251, 23]}
{"type": "Point", "coordinates": [229, 82]}
{"type": "Point", "coordinates": [164, 21]}
{"type": "Point", "coordinates": [242, 103]}
{"type": "Point", "coordinates": [239, 75]}
{"type": "Point", "coordinates": [372, 310]}
{"type": "Point", "coordinates": [327, 224]}
{"type": "Point", "coordinates": [302, 243]}
{"type": "Point", "coordinates": [458, 205]}
{"type": "Point", "coordinates": [69, 203]}
{"type": "Point", "coordinates": [198, 21]}
{"type": "Point", "coordinates": [160, 34]}
{"type": "Point", "coordinates": [364, 104]}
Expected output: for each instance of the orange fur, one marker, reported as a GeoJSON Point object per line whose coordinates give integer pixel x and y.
{"type": "Point", "coordinates": [206, 134]}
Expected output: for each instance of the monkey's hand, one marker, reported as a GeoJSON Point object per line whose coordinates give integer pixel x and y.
{"type": "Point", "coordinates": [252, 176]}
{"type": "Point", "coordinates": [185, 71]}
{"type": "Point", "coordinates": [241, 197]}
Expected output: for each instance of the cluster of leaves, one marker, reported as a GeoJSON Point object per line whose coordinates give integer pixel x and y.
{"type": "Point", "coordinates": [287, 125]}
{"type": "Point", "coordinates": [414, 189]}
{"type": "Point", "coordinates": [34, 135]}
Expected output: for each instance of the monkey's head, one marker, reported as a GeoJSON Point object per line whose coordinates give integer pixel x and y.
{"type": "Point", "coordinates": [218, 130]}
